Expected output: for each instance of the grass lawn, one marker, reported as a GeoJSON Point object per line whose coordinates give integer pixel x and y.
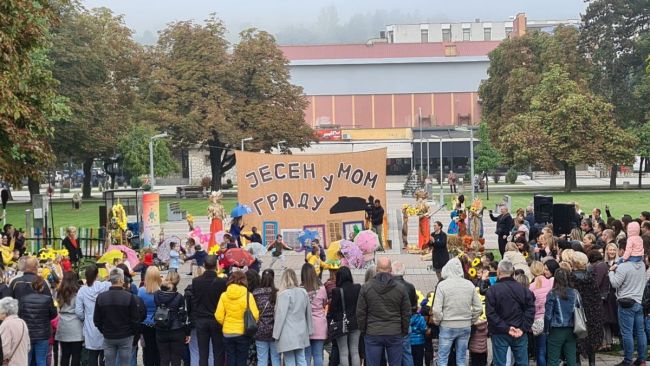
{"type": "Point", "coordinates": [88, 215]}
{"type": "Point", "coordinates": [632, 202]}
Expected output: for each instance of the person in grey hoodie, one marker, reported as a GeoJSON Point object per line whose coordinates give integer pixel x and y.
{"type": "Point", "coordinates": [628, 278]}
{"type": "Point", "coordinates": [85, 309]}
{"type": "Point", "coordinates": [456, 306]}
{"type": "Point", "coordinates": [383, 315]}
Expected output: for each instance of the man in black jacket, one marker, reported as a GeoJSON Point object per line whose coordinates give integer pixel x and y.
{"type": "Point", "coordinates": [117, 317]}
{"type": "Point", "coordinates": [504, 226]}
{"type": "Point", "coordinates": [206, 291]}
{"type": "Point", "coordinates": [383, 314]}
{"type": "Point", "coordinates": [377, 221]}
{"type": "Point", "coordinates": [21, 286]}
{"type": "Point", "coordinates": [510, 310]}
{"type": "Point", "coordinates": [398, 275]}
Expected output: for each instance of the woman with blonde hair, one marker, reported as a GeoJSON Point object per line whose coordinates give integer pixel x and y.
{"type": "Point", "coordinates": [152, 281]}
{"type": "Point", "coordinates": [230, 314]}
{"type": "Point", "coordinates": [540, 287]}
{"type": "Point", "coordinates": [611, 254]}
{"type": "Point", "coordinates": [513, 255]}
{"type": "Point", "coordinates": [292, 326]}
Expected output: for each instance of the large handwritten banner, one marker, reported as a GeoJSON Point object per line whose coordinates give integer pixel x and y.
{"type": "Point", "coordinates": [302, 190]}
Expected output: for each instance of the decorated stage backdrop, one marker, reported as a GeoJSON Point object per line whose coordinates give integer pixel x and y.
{"type": "Point", "coordinates": [326, 193]}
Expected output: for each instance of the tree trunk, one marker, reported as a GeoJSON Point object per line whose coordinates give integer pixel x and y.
{"type": "Point", "coordinates": [641, 171]}
{"type": "Point", "coordinates": [222, 159]}
{"type": "Point", "coordinates": [574, 178]}
{"type": "Point", "coordinates": [612, 176]}
{"type": "Point", "coordinates": [34, 187]}
{"type": "Point", "coordinates": [87, 167]}
{"type": "Point", "coordinates": [569, 176]}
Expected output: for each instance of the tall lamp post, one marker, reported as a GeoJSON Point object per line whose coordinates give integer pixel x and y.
{"type": "Point", "coordinates": [442, 193]}
{"type": "Point", "coordinates": [420, 123]}
{"type": "Point", "coordinates": [279, 143]}
{"type": "Point", "coordinates": [151, 174]}
{"type": "Point", "coordinates": [471, 154]}
{"type": "Point", "coordinates": [244, 140]}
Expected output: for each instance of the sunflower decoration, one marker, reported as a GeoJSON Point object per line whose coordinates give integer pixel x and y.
{"type": "Point", "coordinates": [472, 272]}
{"type": "Point", "coordinates": [476, 262]}
{"type": "Point", "coordinates": [215, 249]}
{"type": "Point", "coordinates": [46, 254]}
{"type": "Point", "coordinates": [190, 221]}
{"type": "Point", "coordinates": [525, 255]}
{"type": "Point", "coordinates": [119, 215]}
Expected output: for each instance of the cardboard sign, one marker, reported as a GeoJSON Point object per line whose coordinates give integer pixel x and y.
{"type": "Point", "coordinates": [305, 190]}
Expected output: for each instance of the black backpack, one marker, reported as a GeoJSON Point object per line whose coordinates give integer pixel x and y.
{"type": "Point", "coordinates": [163, 317]}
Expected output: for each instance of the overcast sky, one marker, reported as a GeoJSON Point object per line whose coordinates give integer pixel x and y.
{"type": "Point", "coordinates": [278, 15]}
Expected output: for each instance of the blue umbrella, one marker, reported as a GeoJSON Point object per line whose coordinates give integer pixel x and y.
{"type": "Point", "coordinates": [307, 237]}
{"type": "Point", "coordinates": [240, 210]}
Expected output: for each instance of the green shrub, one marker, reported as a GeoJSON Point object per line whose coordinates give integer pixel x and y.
{"type": "Point", "coordinates": [511, 176]}
{"type": "Point", "coordinates": [496, 177]}
{"type": "Point", "coordinates": [136, 182]}
{"type": "Point", "coordinates": [146, 187]}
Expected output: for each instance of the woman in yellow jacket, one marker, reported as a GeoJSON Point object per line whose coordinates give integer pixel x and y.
{"type": "Point", "coordinates": [230, 314]}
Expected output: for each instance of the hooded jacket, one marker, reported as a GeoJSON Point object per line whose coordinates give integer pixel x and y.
{"type": "Point", "coordinates": [456, 303]}
{"type": "Point", "coordinates": [231, 307]}
{"type": "Point", "coordinates": [85, 309]}
{"type": "Point", "coordinates": [383, 307]}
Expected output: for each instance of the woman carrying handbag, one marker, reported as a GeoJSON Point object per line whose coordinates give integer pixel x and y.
{"type": "Point", "coordinates": [342, 314]}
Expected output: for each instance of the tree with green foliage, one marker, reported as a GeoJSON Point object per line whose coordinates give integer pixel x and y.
{"type": "Point", "coordinates": [134, 148]}
{"type": "Point", "coordinates": [265, 105]}
{"type": "Point", "coordinates": [489, 158]}
{"type": "Point", "coordinates": [616, 38]}
{"type": "Point", "coordinates": [207, 98]}
{"type": "Point", "coordinates": [28, 97]}
{"type": "Point", "coordinates": [96, 63]}
{"type": "Point", "coordinates": [539, 107]}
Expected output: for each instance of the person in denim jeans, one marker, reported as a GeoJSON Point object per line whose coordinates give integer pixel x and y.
{"type": "Point", "coordinates": [558, 320]}
{"type": "Point", "coordinates": [456, 306]}
{"type": "Point", "coordinates": [629, 280]}
{"type": "Point", "coordinates": [510, 309]}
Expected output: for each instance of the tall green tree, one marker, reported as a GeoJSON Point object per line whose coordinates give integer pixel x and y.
{"type": "Point", "coordinates": [96, 63]}
{"type": "Point", "coordinates": [134, 148]}
{"type": "Point", "coordinates": [207, 98]}
{"type": "Point", "coordinates": [28, 98]}
{"type": "Point", "coordinates": [538, 85]}
{"type": "Point", "coordinates": [489, 158]}
{"type": "Point", "coordinates": [610, 37]}
{"type": "Point", "coordinates": [265, 105]}
{"type": "Point", "coordinates": [185, 88]}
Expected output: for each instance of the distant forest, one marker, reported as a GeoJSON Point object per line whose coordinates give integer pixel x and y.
{"type": "Point", "coordinates": [329, 28]}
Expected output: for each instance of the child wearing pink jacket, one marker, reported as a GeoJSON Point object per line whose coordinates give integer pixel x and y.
{"type": "Point", "coordinates": [634, 245]}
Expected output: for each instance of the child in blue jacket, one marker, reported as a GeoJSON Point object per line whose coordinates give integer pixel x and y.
{"type": "Point", "coordinates": [417, 332]}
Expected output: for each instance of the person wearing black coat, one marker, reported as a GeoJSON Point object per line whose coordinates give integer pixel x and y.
{"type": "Point", "coordinates": [71, 243]}
{"type": "Point", "coordinates": [206, 292]}
{"type": "Point", "coordinates": [171, 336]}
{"type": "Point", "coordinates": [21, 286]}
{"type": "Point", "coordinates": [584, 282]}
{"type": "Point", "coordinates": [37, 309]}
{"type": "Point", "coordinates": [439, 253]}
{"type": "Point", "coordinates": [348, 345]}
{"type": "Point", "coordinates": [504, 226]}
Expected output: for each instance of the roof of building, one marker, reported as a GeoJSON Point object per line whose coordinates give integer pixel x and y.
{"type": "Point", "coordinates": [385, 50]}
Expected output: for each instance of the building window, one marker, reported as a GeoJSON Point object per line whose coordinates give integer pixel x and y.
{"type": "Point", "coordinates": [467, 34]}
{"type": "Point", "coordinates": [424, 35]}
{"type": "Point", "coordinates": [508, 32]}
{"type": "Point", "coordinates": [487, 34]}
{"type": "Point", "coordinates": [390, 36]}
{"type": "Point", "coordinates": [446, 35]}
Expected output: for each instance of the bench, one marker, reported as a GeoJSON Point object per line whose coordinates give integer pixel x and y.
{"type": "Point", "coordinates": [174, 212]}
{"type": "Point", "coordinates": [191, 191]}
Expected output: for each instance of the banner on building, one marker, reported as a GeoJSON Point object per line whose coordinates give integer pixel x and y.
{"type": "Point", "coordinates": [326, 193]}
{"type": "Point", "coordinates": [329, 135]}
{"type": "Point", "coordinates": [150, 218]}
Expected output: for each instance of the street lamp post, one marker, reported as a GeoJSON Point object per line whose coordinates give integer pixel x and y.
{"type": "Point", "coordinates": [471, 154]}
{"type": "Point", "coordinates": [442, 194]}
{"type": "Point", "coordinates": [420, 123]}
{"type": "Point", "coordinates": [152, 179]}
{"type": "Point", "coordinates": [280, 147]}
{"type": "Point", "coordinates": [244, 140]}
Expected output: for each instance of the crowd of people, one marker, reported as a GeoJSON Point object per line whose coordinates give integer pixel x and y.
{"type": "Point", "coordinates": [550, 298]}
{"type": "Point", "coordinates": [542, 284]}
